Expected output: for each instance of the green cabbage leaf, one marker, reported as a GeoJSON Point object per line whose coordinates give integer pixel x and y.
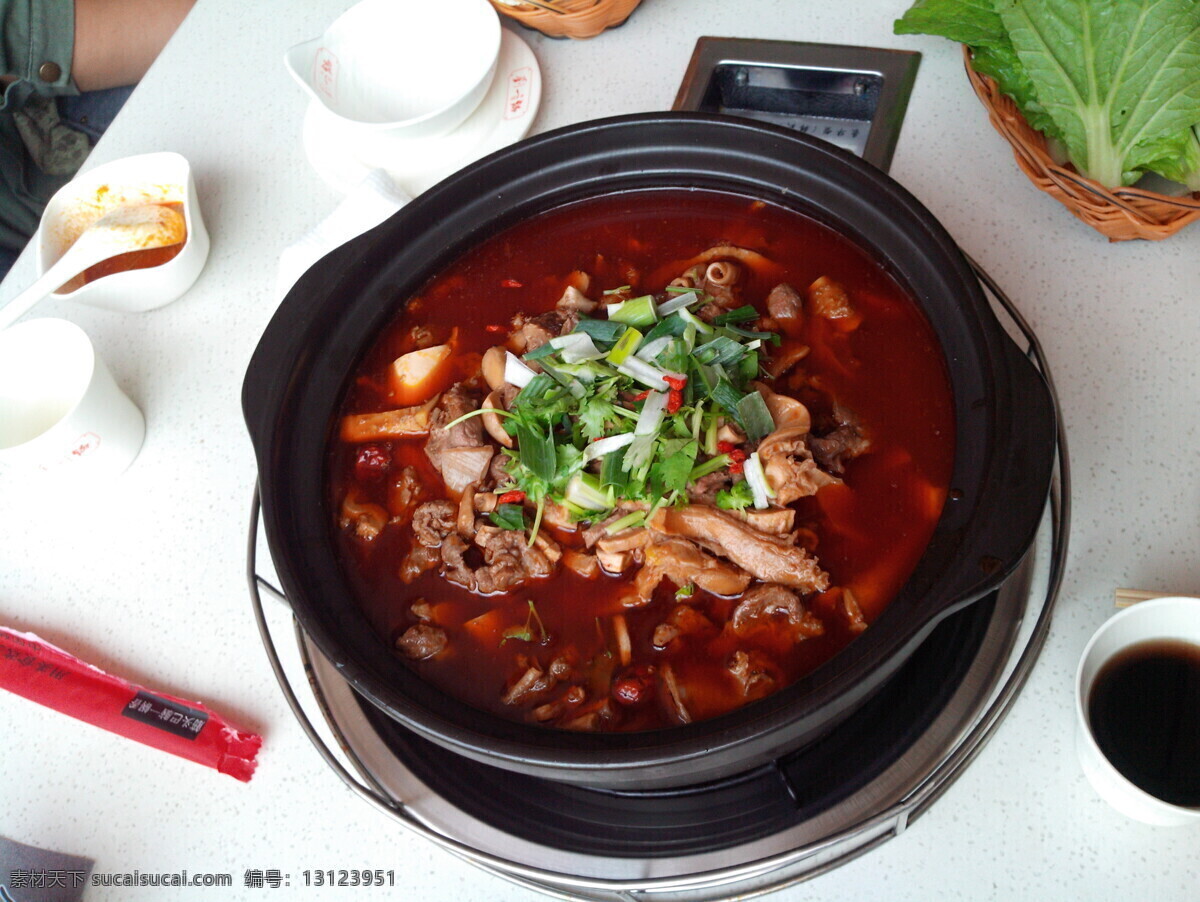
{"type": "Point", "coordinates": [1114, 82]}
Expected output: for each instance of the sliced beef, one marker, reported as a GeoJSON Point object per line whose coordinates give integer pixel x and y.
{"type": "Point", "coordinates": [433, 521]}
{"type": "Point", "coordinates": [421, 641]}
{"type": "Point", "coordinates": [531, 332]}
{"type": "Point", "coordinates": [509, 561]}
{"type": "Point", "coordinates": [419, 559]}
{"type": "Point", "coordinates": [845, 442]}
{"type": "Point", "coordinates": [770, 558]}
{"type": "Point", "coordinates": [785, 304]}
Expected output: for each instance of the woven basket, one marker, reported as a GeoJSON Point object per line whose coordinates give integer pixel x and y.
{"type": "Point", "coordinates": [1119, 213]}
{"type": "Point", "coordinates": [577, 19]}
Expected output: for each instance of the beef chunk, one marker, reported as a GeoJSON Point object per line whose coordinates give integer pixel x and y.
{"type": "Point", "coordinates": [433, 521]}
{"type": "Point", "coordinates": [421, 641]}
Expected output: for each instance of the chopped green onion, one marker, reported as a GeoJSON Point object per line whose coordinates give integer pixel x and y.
{"type": "Point", "coordinates": [645, 373]}
{"type": "Point", "coordinates": [684, 297]}
{"type": "Point", "coordinates": [672, 325]}
{"type": "Point", "coordinates": [759, 487]}
{"type": "Point", "coordinates": [618, 290]}
{"type": "Point", "coordinates": [721, 350]}
{"type": "Point", "coordinates": [575, 347]}
{"type": "Point", "coordinates": [639, 311]}
{"type": "Point", "coordinates": [537, 524]}
{"type": "Point", "coordinates": [727, 396]}
{"type": "Point", "coordinates": [508, 516]}
{"type": "Point", "coordinates": [772, 337]}
{"type": "Point", "coordinates": [754, 416]}
{"type": "Point", "coordinates": [637, 518]}
{"type": "Point", "coordinates": [720, 462]}
{"type": "Point", "coordinates": [515, 371]}
{"type": "Point", "coordinates": [612, 469]}
{"type": "Point", "coordinates": [651, 416]}
{"type": "Point", "coordinates": [600, 330]}
{"type": "Point", "coordinates": [601, 447]}
{"type": "Point", "coordinates": [685, 592]}
{"type": "Point", "coordinates": [651, 349]}
{"type": "Point", "coordinates": [692, 320]}
{"type": "Point", "coordinates": [536, 451]}
{"type": "Point", "coordinates": [625, 346]}
{"type": "Point", "coordinates": [584, 491]}
{"type": "Point", "coordinates": [540, 351]}
{"type": "Point", "coordinates": [740, 315]}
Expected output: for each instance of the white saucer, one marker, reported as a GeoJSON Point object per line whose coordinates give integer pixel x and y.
{"type": "Point", "coordinates": [505, 115]}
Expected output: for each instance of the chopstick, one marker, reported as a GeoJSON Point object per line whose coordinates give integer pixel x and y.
{"type": "Point", "coordinates": [1126, 597]}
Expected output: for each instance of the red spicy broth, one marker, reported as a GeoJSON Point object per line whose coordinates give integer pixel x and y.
{"type": "Point", "coordinates": [869, 533]}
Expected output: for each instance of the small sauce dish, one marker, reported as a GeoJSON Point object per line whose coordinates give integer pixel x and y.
{"type": "Point", "coordinates": [161, 275]}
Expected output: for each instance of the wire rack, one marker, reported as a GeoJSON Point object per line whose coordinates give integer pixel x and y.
{"type": "Point", "coordinates": [752, 878]}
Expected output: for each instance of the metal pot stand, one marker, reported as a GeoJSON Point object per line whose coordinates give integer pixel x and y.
{"type": "Point", "coordinates": [816, 808]}
{"type": "Point", "coordinates": [804, 814]}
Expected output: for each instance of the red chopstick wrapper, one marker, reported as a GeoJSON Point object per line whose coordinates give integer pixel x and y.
{"type": "Point", "coordinates": [37, 670]}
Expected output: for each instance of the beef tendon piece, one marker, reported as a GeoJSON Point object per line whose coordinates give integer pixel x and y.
{"type": "Point", "coordinates": [772, 559]}
{"type": "Point", "coordinates": [774, 607]}
{"type": "Point", "coordinates": [755, 674]}
{"type": "Point", "coordinates": [682, 562]}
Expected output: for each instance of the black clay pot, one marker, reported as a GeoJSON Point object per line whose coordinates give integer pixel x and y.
{"type": "Point", "coordinates": [1004, 414]}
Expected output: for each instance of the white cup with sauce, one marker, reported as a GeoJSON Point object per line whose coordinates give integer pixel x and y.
{"type": "Point", "coordinates": [62, 415]}
{"type": "Point", "coordinates": [153, 178]}
{"type": "Point", "coordinates": [1123, 764]}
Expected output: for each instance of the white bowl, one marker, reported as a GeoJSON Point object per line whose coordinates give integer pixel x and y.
{"type": "Point", "coordinates": [416, 68]}
{"type": "Point", "coordinates": [1175, 618]}
{"type": "Point", "coordinates": [164, 178]}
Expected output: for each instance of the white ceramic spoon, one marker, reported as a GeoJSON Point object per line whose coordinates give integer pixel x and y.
{"type": "Point", "coordinates": [119, 232]}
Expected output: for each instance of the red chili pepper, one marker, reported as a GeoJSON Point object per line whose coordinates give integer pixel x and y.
{"type": "Point", "coordinates": [676, 382]}
{"type": "Point", "coordinates": [495, 328]}
{"type": "Point", "coordinates": [674, 400]}
{"type": "Point", "coordinates": [725, 447]}
{"type": "Point", "coordinates": [512, 497]}
{"type": "Point", "coordinates": [736, 467]}
{"type": "Point", "coordinates": [643, 396]}
{"type": "Point", "coordinates": [737, 459]}
{"type": "Point", "coordinates": [512, 283]}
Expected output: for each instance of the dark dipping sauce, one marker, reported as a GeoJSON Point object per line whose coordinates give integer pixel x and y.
{"type": "Point", "coordinates": [1144, 710]}
{"type": "Point", "coordinates": [869, 532]}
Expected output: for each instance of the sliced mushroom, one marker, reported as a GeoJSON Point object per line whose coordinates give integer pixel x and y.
{"type": "Point", "coordinates": [493, 366]}
{"type": "Point", "coordinates": [465, 521]}
{"type": "Point", "coordinates": [491, 421]}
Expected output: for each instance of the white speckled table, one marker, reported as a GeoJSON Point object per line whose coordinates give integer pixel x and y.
{"type": "Point", "coordinates": [146, 578]}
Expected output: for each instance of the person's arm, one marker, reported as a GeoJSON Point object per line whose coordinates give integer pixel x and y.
{"type": "Point", "coordinates": [117, 40]}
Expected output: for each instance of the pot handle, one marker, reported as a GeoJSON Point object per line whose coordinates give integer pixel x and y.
{"type": "Point", "coordinates": [269, 373]}
{"type": "Point", "coordinates": [1013, 501]}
